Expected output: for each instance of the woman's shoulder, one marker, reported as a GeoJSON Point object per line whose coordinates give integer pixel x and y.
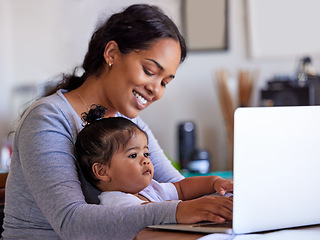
{"type": "Point", "coordinates": [55, 100]}
{"type": "Point", "coordinates": [54, 108]}
{"type": "Point", "coordinates": [50, 106]}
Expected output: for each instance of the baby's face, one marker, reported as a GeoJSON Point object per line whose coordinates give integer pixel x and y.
{"type": "Point", "coordinates": [131, 169]}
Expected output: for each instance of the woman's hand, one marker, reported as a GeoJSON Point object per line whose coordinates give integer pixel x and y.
{"type": "Point", "coordinates": [222, 186]}
{"type": "Point", "coordinates": [208, 208]}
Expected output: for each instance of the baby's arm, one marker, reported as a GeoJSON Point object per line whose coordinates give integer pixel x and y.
{"type": "Point", "coordinates": [193, 187]}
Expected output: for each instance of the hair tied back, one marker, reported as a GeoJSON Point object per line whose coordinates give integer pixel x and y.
{"type": "Point", "coordinates": [95, 113]}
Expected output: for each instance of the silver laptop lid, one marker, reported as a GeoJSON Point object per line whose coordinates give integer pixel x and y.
{"type": "Point", "coordinates": [276, 168]}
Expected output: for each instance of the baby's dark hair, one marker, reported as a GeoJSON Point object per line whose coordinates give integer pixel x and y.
{"type": "Point", "coordinates": [101, 138]}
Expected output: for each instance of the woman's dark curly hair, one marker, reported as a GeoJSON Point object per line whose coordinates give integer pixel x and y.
{"type": "Point", "coordinates": [101, 138]}
{"type": "Point", "coordinates": [136, 28]}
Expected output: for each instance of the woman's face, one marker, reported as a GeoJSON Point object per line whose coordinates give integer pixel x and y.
{"type": "Point", "coordinates": [139, 78]}
{"type": "Point", "coordinates": [131, 170]}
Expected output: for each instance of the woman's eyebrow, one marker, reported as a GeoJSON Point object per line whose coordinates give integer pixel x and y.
{"type": "Point", "coordinates": [158, 65]}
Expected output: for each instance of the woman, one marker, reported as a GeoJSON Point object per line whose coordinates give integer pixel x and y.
{"type": "Point", "coordinates": [130, 60]}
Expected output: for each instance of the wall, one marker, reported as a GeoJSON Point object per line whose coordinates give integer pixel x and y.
{"type": "Point", "coordinates": [191, 96]}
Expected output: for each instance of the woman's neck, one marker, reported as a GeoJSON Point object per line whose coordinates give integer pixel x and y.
{"type": "Point", "coordinates": [89, 93]}
{"type": "Point", "coordinates": [93, 90]}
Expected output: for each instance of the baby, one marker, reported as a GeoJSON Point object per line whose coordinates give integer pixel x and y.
{"type": "Point", "coordinates": [114, 157]}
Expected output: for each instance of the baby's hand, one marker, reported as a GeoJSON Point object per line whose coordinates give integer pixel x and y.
{"type": "Point", "coordinates": [222, 186]}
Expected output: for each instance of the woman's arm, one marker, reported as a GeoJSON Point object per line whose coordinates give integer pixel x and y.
{"type": "Point", "coordinates": [193, 187]}
{"type": "Point", "coordinates": [47, 165]}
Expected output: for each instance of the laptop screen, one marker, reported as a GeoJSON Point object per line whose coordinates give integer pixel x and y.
{"type": "Point", "coordinates": [276, 168]}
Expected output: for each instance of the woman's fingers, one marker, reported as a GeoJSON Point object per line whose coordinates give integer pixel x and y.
{"type": "Point", "coordinates": [209, 216]}
{"type": "Point", "coordinates": [220, 206]}
{"type": "Point", "coordinates": [221, 201]}
{"type": "Point", "coordinates": [209, 208]}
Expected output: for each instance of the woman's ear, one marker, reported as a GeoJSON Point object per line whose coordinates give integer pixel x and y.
{"type": "Point", "coordinates": [110, 52]}
{"type": "Point", "coordinates": [101, 172]}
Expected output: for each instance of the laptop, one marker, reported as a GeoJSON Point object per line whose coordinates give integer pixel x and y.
{"type": "Point", "coordinates": [276, 171]}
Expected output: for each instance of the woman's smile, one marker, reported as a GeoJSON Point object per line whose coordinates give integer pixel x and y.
{"type": "Point", "coordinates": [140, 98]}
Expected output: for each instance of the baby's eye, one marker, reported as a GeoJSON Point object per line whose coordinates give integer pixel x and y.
{"type": "Point", "coordinates": [133, 155]}
{"type": "Point", "coordinates": [146, 155]}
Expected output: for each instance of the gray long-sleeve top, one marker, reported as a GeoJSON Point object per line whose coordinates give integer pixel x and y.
{"type": "Point", "coordinates": [46, 195]}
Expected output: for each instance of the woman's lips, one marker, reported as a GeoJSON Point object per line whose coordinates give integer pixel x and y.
{"type": "Point", "coordinates": [140, 98]}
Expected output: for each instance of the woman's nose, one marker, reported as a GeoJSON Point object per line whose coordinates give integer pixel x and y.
{"type": "Point", "coordinates": [152, 88]}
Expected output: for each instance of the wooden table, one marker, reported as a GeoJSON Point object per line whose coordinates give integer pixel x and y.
{"type": "Point", "coordinates": [3, 179]}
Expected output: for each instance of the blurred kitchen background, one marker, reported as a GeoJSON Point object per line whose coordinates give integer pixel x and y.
{"type": "Point", "coordinates": [240, 51]}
